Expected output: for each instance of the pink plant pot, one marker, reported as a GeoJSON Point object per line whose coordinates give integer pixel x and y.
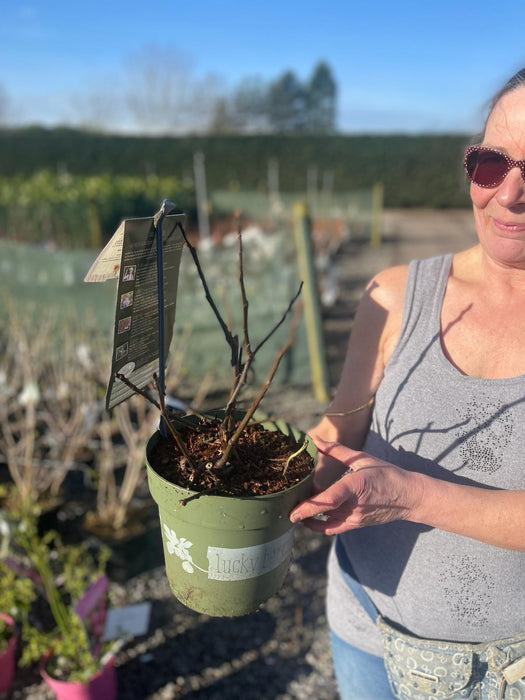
{"type": "Point", "coordinates": [102, 686]}
{"type": "Point", "coordinates": [7, 658]}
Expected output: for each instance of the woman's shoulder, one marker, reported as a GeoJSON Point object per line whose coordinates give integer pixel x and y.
{"type": "Point", "coordinates": [387, 287]}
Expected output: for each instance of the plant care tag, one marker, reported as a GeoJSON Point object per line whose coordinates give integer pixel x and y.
{"type": "Point", "coordinates": [129, 620]}
{"type": "Point", "coordinates": [131, 257]}
{"type": "Point", "coordinates": [226, 564]}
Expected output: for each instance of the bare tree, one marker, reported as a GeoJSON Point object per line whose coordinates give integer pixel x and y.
{"type": "Point", "coordinates": [101, 109]}
{"type": "Point", "coordinates": [163, 95]}
{"type": "Point", "coordinates": [244, 111]}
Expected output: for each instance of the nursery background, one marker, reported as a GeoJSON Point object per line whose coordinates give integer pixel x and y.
{"type": "Point", "coordinates": [329, 135]}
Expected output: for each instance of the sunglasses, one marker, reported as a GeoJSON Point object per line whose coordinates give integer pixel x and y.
{"type": "Point", "coordinates": [487, 167]}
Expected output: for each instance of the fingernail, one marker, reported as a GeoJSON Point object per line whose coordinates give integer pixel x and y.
{"type": "Point", "coordinates": [295, 517]}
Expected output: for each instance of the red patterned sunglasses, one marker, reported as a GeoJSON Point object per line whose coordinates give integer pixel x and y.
{"type": "Point", "coordinates": [488, 167]}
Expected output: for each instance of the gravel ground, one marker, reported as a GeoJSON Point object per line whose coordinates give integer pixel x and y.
{"type": "Point", "coordinates": [281, 652]}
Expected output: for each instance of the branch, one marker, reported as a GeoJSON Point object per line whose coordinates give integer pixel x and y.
{"type": "Point", "coordinates": [136, 389]}
{"type": "Point", "coordinates": [172, 430]}
{"type": "Point", "coordinates": [232, 340]}
{"type": "Point", "coordinates": [161, 407]}
{"type": "Point", "coordinates": [157, 405]}
{"type": "Point", "coordinates": [255, 403]}
{"type": "Point", "coordinates": [292, 302]}
{"type": "Point", "coordinates": [247, 346]}
{"type": "Point", "coordinates": [242, 369]}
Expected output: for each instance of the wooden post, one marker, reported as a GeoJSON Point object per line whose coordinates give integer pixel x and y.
{"type": "Point", "coordinates": [377, 211]}
{"type": "Point", "coordinates": [311, 186]}
{"type": "Point", "coordinates": [201, 192]}
{"type": "Point", "coordinates": [273, 190]}
{"type": "Point", "coordinates": [312, 312]}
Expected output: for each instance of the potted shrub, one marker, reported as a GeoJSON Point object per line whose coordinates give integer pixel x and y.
{"type": "Point", "coordinates": [65, 639]}
{"type": "Point", "coordinates": [119, 518]}
{"type": "Point", "coordinates": [16, 595]}
{"type": "Point", "coordinates": [7, 651]}
{"type": "Point", "coordinates": [225, 483]}
{"type": "Point", "coordinates": [124, 516]}
{"type": "Point", "coordinates": [46, 415]}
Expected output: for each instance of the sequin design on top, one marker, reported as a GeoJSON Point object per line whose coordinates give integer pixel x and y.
{"type": "Point", "coordinates": [469, 590]}
{"type": "Point", "coordinates": [484, 434]}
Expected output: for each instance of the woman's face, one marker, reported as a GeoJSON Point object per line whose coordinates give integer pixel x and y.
{"type": "Point", "coordinates": [499, 212]}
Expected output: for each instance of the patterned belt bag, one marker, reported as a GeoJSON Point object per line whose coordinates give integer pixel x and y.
{"type": "Point", "coordinates": [419, 669]}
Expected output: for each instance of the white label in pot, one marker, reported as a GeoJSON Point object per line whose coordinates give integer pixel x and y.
{"type": "Point", "coordinates": [238, 564]}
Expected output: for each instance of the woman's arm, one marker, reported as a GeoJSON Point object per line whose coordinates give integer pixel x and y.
{"type": "Point", "coordinates": [377, 492]}
{"type": "Point", "coordinates": [374, 333]}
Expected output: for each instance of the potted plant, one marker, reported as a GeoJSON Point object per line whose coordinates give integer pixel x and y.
{"type": "Point", "coordinates": [123, 516]}
{"type": "Point", "coordinates": [66, 638]}
{"type": "Point", "coordinates": [225, 482]}
{"type": "Point", "coordinates": [16, 595]}
{"type": "Point", "coordinates": [47, 414]}
{"type": "Point", "coordinates": [7, 651]}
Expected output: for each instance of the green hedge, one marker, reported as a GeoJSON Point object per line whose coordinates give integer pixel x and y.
{"type": "Point", "coordinates": [81, 211]}
{"type": "Point", "coordinates": [417, 171]}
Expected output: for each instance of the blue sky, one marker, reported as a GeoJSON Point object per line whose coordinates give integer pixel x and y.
{"type": "Point", "coordinates": [399, 66]}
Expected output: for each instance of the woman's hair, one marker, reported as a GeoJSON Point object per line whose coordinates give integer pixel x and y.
{"type": "Point", "coordinates": [517, 80]}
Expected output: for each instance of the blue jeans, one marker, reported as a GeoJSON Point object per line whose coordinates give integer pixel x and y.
{"type": "Point", "coordinates": [360, 676]}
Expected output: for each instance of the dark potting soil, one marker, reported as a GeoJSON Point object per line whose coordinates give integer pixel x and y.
{"type": "Point", "coordinates": [257, 464]}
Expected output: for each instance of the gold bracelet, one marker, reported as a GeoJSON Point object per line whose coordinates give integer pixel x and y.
{"type": "Point", "coordinates": [353, 410]}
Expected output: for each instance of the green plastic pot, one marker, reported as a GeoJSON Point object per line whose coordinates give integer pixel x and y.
{"type": "Point", "coordinates": [226, 555]}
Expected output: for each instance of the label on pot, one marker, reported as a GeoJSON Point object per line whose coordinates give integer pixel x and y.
{"type": "Point", "coordinates": [226, 564]}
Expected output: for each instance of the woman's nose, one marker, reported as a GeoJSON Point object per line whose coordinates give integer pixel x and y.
{"type": "Point", "coordinates": [512, 189]}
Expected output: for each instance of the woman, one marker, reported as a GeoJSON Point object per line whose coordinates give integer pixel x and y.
{"type": "Point", "coordinates": [430, 515]}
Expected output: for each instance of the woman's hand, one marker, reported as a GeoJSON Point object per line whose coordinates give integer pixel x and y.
{"type": "Point", "coordinates": [372, 493]}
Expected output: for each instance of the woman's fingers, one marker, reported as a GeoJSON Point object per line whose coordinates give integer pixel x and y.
{"type": "Point", "coordinates": [325, 502]}
{"type": "Point", "coordinates": [372, 492]}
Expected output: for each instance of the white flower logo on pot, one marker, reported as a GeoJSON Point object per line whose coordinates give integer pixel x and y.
{"type": "Point", "coordinates": [179, 548]}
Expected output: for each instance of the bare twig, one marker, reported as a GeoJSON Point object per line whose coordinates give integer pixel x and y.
{"type": "Point", "coordinates": [137, 390]}
{"type": "Point", "coordinates": [255, 403]}
{"type": "Point", "coordinates": [171, 428]}
{"type": "Point", "coordinates": [241, 368]}
{"type": "Point", "coordinates": [231, 339]}
{"type": "Point", "coordinates": [157, 405]}
{"type": "Point", "coordinates": [247, 346]}
{"type": "Point", "coordinates": [194, 496]}
{"type": "Point", "coordinates": [283, 318]}
{"type": "Point", "coordinates": [240, 380]}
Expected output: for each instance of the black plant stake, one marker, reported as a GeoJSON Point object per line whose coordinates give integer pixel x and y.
{"type": "Point", "coordinates": [165, 209]}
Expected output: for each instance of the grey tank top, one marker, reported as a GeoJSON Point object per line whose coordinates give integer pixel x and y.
{"type": "Point", "coordinates": [429, 417]}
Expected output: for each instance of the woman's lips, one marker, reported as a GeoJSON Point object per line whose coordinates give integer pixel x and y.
{"type": "Point", "coordinates": [509, 227]}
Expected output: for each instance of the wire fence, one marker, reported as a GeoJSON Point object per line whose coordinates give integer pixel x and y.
{"type": "Point", "coordinates": [348, 214]}
{"type": "Point", "coordinates": [40, 277]}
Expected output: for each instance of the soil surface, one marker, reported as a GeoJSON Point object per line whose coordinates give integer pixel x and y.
{"type": "Point", "coordinates": [262, 462]}
{"type": "Point", "coordinates": [282, 651]}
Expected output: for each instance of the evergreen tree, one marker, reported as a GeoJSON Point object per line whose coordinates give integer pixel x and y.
{"type": "Point", "coordinates": [250, 105]}
{"type": "Point", "coordinates": [222, 121]}
{"type": "Point", "coordinates": [287, 103]}
{"type": "Point", "coordinates": [322, 92]}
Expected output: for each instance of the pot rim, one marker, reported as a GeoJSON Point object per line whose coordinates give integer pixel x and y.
{"type": "Point", "coordinates": [190, 492]}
